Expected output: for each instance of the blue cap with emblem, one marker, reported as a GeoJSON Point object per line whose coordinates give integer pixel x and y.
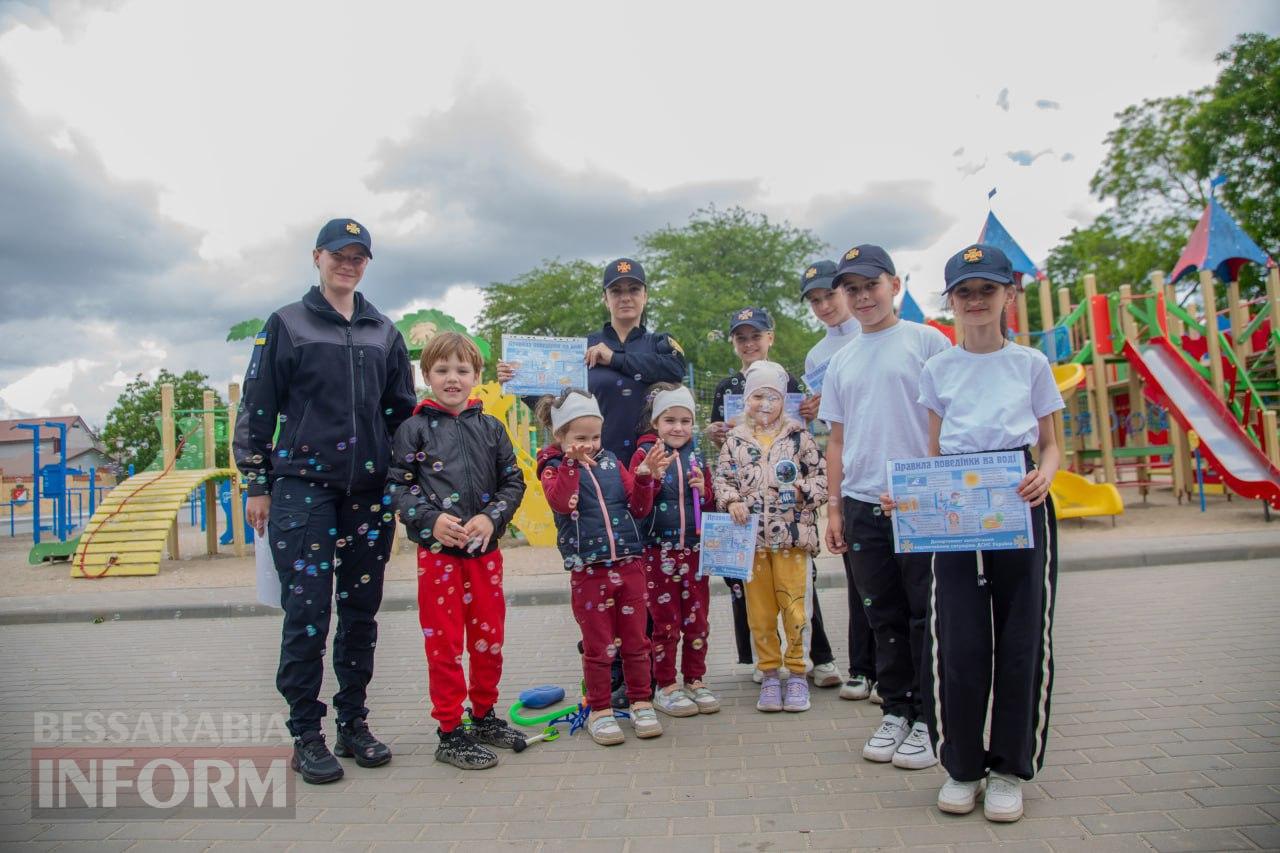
{"type": "Point", "coordinates": [978, 261]}
{"type": "Point", "coordinates": [865, 260]}
{"type": "Point", "coordinates": [338, 233]}
{"type": "Point", "coordinates": [755, 317]}
{"type": "Point", "coordinates": [620, 269]}
{"type": "Point", "coordinates": [818, 274]}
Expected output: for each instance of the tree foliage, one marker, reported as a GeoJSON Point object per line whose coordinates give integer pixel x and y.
{"type": "Point", "coordinates": [136, 415]}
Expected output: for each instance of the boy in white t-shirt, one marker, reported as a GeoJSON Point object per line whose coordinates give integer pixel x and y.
{"type": "Point", "coordinates": [869, 396]}
{"type": "Point", "coordinates": [831, 307]}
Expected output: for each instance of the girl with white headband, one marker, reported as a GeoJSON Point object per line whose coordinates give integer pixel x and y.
{"type": "Point", "coordinates": [678, 594]}
{"type": "Point", "coordinates": [596, 502]}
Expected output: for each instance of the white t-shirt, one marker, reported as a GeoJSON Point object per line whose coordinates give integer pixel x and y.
{"type": "Point", "coordinates": [831, 343]}
{"type": "Point", "coordinates": [989, 401]}
{"type": "Point", "coordinates": [872, 387]}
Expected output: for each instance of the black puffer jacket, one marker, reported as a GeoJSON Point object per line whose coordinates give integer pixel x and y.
{"type": "Point", "coordinates": [461, 464]}
{"type": "Point", "coordinates": [340, 388]}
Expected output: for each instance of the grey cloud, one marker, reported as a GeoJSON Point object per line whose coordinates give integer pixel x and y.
{"type": "Point", "coordinates": [1045, 104]}
{"type": "Point", "coordinates": [1025, 157]}
{"type": "Point", "coordinates": [958, 151]}
{"type": "Point", "coordinates": [1002, 99]}
{"type": "Point", "coordinates": [492, 205]}
{"type": "Point", "coordinates": [894, 214]}
{"type": "Point", "coordinates": [1067, 157]}
{"type": "Point", "coordinates": [972, 168]}
{"type": "Point", "coordinates": [1211, 27]}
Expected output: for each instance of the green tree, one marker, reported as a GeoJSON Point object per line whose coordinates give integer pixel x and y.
{"type": "Point", "coordinates": [719, 262]}
{"type": "Point", "coordinates": [556, 298]}
{"type": "Point", "coordinates": [136, 415]}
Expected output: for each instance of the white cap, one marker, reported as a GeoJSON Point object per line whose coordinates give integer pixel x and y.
{"type": "Point", "coordinates": [574, 406]}
{"type": "Point", "coordinates": [765, 374]}
{"type": "Point", "coordinates": [664, 400]}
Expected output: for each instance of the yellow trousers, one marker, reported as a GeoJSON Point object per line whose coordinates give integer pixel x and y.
{"type": "Point", "coordinates": [779, 585]}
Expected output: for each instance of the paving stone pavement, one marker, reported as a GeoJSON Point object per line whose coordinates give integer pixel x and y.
{"type": "Point", "coordinates": [1165, 736]}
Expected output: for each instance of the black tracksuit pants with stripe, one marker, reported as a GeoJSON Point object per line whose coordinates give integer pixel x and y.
{"type": "Point", "coordinates": [990, 627]}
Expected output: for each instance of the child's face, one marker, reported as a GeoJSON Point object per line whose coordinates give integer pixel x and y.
{"type": "Point", "coordinates": [451, 380]}
{"type": "Point", "coordinates": [675, 426]}
{"type": "Point", "coordinates": [583, 430]}
{"type": "Point", "coordinates": [831, 307]}
{"type": "Point", "coordinates": [980, 301]}
{"type": "Point", "coordinates": [751, 344]}
{"type": "Point", "coordinates": [871, 299]}
{"type": "Point", "coordinates": [764, 407]}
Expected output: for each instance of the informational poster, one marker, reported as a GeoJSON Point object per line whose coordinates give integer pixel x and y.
{"type": "Point", "coordinates": [967, 502]}
{"type": "Point", "coordinates": [733, 406]}
{"type": "Point", "coordinates": [267, 580]}
{"type": "Point", "coordinates": [728, 549]}
{"type": "Point", "coordinates": [545, 365]}
{"type": "Point", "coordinates": [813, 379]}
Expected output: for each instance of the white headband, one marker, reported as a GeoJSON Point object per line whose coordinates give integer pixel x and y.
{"type": "Point", "coordinates": [575, 406]}
{"type": "Point", "coordinates": [664, 400]}
{"type": "Point", "coordinates": [765, 374]}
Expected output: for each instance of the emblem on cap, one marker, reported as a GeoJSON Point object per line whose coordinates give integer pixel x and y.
{"type": "Point", "coordinates": [811, 272]}
{"type": "Point", "coordinates": [744, 314]}
{"type": "Point", "coordinates": [623, 266]}
{"type": "Point", "coordinates": [851, 254]}
{"type": "Point", "coordinates": [353, 228]}
{"type": "Point", "coordinates": [972, 256]}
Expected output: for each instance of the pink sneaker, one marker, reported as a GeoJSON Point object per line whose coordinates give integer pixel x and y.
{"type": "Point", "coordinates": [770, 695]}
{"type": "Point", "coordinates": [797, 694]}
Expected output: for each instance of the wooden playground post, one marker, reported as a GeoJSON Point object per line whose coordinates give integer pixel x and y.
{"type": "Point", "coordinates": [1073, 339]}
{"type": "Point", "coordinates": [1270, 440]}
{"type": "Point", "coordinates": [1209, 294]}
{"type": "Point", "coordinates": [210, 489]}
{"type": "Point", "coordinates": [1238, 313]}
{"type": "Point", "coordinates": [1098, 379]}
{"type": "Point", "coordinates": [237, 508]}
{"type": "Point", "coordinates": [168, 447]}
{"type": "Point", "coordinates": [1020, 306]}
{"type": "Point", "coordinates": [1046, 324]}
{"type": "Point", "coordinates": [1273, 305]}
{"type": "Point", "coordinates": [1177, 442]}
{"type": "Point", "coordinates": [1136, 401]}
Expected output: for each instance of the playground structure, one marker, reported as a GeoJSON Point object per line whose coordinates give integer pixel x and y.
{"type": "Point", "coordinates": [138, 520]}
{"type": "Point", "coordinates": [533, 519]}
{"type": "Point", "coordinates": [53, 483]}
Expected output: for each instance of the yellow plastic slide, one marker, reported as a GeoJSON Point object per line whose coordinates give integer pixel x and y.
{"type": "Point", "coordinates": [1075, 496]}
{"type": "Point", "coordinates": [533, 518]}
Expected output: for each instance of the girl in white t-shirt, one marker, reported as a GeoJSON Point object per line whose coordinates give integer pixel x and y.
{"type": "Point", "coordinates": [991, 613]}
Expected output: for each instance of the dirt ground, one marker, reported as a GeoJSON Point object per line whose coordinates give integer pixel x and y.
{"type": "Point", "coordinates": [1159, 517]}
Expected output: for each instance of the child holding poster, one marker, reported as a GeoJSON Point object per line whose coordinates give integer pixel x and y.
{"type": "Point", "coordinates": [678, 593]}
{"type": "Point", "coordinates": [770, 466]}
{"type": "Point", "coordinates": [991, 394]}
{"type": "Point", "coordinates": [596, 502]}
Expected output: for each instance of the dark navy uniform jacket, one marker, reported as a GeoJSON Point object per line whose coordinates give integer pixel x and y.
{"type": "Point", "coordinates": [340, 387]}
{"type": "Point", "coordinates": [621, 387]}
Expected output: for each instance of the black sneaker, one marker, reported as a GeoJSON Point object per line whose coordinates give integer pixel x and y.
{"type": "Point", "coordinates": [313, 759]}
{"type": "Point", "coordinates": [494, 731]}
{"type": "Point", "coordinates": [356, 741]}
{"type": "Point", "coordinates": [619, 698]}
{"type": "Point", "coordinates": [461, 750]}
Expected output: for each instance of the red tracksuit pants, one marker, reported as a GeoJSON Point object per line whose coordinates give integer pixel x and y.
{"type": "Point", "coordinates": [460, 601]}
{"type": "Point", "coordinates": [610, 607]}
{"type": "Point", "coordinates": [678, 604]}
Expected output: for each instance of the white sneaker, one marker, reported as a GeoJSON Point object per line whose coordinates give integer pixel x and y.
{"type": "Point", "coordinates": [674, 703]}
{"type": "Point", "coordinates": [605, 730]}
{"type": "Point", "coordinates": [885, 742]}
{"type": "Point", "coordinates": [645, 722]}
{"type": "Point", "coordinates": [826, 675]}
{"type": "Point", "coordinates": [1003, 800]}
{"type": "Point", "coordinates": [857, 687]}
{"type": "Point", "coordinates": [916, 752]}
{"type": "Point", "coordinates": [875, 695]}
{"type": "Point", "coordinates": [757, 676]}
{"type": "Point", "coordinates": [958, 797]}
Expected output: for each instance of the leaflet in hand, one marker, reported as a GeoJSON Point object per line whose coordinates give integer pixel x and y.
{"type": "Point", "coordinates": [967, 502]}
{"type": "Point", "coordinates": [727, 549]}
{"type": "Point", "coordinates": [813, 379]}
{"type": "Point", "coordinates": [545, 365]}
{"type": "Point", "coordinates": [733, 407]}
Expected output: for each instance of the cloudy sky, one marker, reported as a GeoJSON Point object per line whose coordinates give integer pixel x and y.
{"type": "Point", "coordinates": [167, 164]}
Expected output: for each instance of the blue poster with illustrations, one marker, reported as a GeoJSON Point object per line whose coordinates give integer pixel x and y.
{"type": "Point", "coordinates": [545, 365]}
{"type": "Point", "coordinates": [967, 502]}
{"type": "Point", "coordinates": [727, 549]}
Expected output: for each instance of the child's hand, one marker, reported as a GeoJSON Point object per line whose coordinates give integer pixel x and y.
{"type": "Point", "coordinates": [581, 453]}
{"type": "Point", "coordinates": [718, 432]}
{"type": "Point", "coordinates": [886, 503]}
{"type": "Point", "coordinates": [507, 370]}
{"type": "Point", "coordinates": [738, 512]}
{"type": "Point", "coordinates": [835, 531]}
{"type": "Point", "coordinates": [1034, 487]}
{"type": "Point", "coordinates": [478, 530]}
{"type": "Point", "coordinates": [809, 407]}
{"type": "Point", "coordinates": [448, 531]}
{"type": "Point", "coordinates": [657, 462]}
